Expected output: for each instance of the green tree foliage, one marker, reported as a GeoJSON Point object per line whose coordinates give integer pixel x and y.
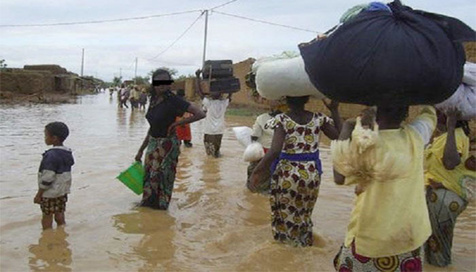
{"type": "Point", "coordinates": [117, 80]}
{"type": "Point", "coordinates": [183, 77]}
{"type": "Point", "coordinates": [142, 80]}
{"type": "Point", "coordinates": [3, 64]}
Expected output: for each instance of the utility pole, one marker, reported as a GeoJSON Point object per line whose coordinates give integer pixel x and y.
{"type": "Point", "coordinates": [82, 63]}
{"type": "Point", "coordinates": [120, 72]}
{"type": "Point", "coordinates": [205, 38]}
{"type": "Point", "coordinates": [135, 73]}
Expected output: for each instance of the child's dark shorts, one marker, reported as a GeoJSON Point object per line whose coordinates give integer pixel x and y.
{"type": "Point", "coordinates": [53, 205]}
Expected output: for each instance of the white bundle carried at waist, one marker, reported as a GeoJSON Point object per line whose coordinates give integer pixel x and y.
{"type": "Point", "coordinates": [283, 76]}
{"type": "Point", "coordinates": [254, 151]}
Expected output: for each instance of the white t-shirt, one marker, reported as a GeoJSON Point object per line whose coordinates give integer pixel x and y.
{"type": "Point", "coordinates": [263, 131]}
{"type": "Point", "coordinates": [214, 122]}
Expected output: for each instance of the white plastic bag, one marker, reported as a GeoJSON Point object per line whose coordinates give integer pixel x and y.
{"type": "Point", "coordinates": [283, 76]}
{"type": "Point", "coordinates": [464, 99]}
{"type": "Point", "coordinates": [253, 152]}
{"type": "Point", "coordinates": [469, 76]}
{"type": "Point", "coordinates": [243, 135]}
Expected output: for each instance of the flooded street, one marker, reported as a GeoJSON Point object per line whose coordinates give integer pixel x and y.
{"type": "Point", "coordinates": [213, 224]}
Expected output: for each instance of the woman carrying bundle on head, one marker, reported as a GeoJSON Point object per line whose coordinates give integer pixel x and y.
{"type": "Point", "coordinates": [389, 222]}
{"type": "Point", "coordinates": [296, 170]}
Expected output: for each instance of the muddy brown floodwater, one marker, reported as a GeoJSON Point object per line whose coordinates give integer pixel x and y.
{"type": "Point", "coordinates": [214, 223]}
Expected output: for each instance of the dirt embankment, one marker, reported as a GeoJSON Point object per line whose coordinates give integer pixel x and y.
{"type": "Point", "coordinates": [41, 83]}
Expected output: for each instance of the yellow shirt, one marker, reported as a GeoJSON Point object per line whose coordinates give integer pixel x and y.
{"type": "Point", "coordinates": [455, 180]}
{"type": "Point", "coordinates": [391, 217]}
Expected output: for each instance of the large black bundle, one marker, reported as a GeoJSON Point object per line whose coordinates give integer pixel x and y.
{"type": "Point", "coordinates": [402, 57]}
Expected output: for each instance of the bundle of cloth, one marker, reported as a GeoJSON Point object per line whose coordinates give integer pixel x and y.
{"type": "Point", "coordinates": [253, 150]}
{"type": "Point", "coordinates": [389, 54]}
{"type": "Point", "coordinates": [464, 99]}
{"type": "Point", "coordinates": [282, 75]}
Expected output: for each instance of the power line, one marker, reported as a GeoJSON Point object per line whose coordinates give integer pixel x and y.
{"type": "Point", "coordinates": [105, 21]}
{"type": "Point", "coordinates": [265, 22]}
{"type": "Point", "coordinates": [222, 5]}
{"type": "Point", "coordinates": [179, 37]}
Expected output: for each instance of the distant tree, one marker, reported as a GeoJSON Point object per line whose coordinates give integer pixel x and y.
{"type": "Point", "coordinates": [142, 80]}
{"type": "Point", "coordinates": [183, 77]}
{"type": "Point", "coordinates": [3, 64]}
{"type": "Point", "coordinates": [117, 80]}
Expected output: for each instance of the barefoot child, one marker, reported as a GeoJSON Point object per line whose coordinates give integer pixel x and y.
{"type": "Point", "coordinates": [54, 177]}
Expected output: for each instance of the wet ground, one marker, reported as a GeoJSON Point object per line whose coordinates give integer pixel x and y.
{"type": "Point", "coordinates": [214, 223]}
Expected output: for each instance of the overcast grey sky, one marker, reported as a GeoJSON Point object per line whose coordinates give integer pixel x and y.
{"type": "Point", "coordinates": [112, 47]}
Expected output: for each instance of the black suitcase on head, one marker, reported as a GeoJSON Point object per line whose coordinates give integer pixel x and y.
{"type": "Point", "coordinates": [217, 69]}
{"type": "Point", "coordinates": [225, 85]}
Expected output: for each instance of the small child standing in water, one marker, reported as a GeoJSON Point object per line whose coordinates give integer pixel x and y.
{"type": "Point", "coordinates": [54, 177]}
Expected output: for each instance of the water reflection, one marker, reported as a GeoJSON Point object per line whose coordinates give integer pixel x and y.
{"type": "Point", "coordinates": [52, 253]}
{"type": "Point", "coordinates": [156, 245]}
{"type": "Point", "coordinates": [121, 117]}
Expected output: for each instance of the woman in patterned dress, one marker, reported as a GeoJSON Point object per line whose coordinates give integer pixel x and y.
{"type": "Point", "coordinates": [450, 178]}
{"type": "Point", "coordinates": [296, 169]}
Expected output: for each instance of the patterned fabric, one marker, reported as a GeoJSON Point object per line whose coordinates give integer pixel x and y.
{"type": "Point", "coordinates": [53, 205]}
{"type": "Point", "coordinates": [160, 167]}
{"type": "Point", "coordinates": [444, 206]}
{"type": "Point", "coordinates": [295, 184]}
{"type": "Point", "coordinates": [348, 260]}
{"type": "Point", "coordinates": [212, 144]}
{"type": "Point", "coordinates": [265, 182]}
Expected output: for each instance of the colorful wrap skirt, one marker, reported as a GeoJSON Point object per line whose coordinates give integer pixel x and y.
{"type": "Point", "coordinates": [347, 260]}
{"type": "Point", "coordinates": [293, 194]}
{"type": "Point", "coordinates": [444, 206]}
{"type": "Point", "coordinates": [160, 167]}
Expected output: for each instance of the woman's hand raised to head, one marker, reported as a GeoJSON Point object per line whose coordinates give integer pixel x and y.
{"type": "Point", "coordinates": [332, 105]}
{"type": "Point", "coordinates": [452, 117]}
{"type": "Point", "coordinates": [198, 72]}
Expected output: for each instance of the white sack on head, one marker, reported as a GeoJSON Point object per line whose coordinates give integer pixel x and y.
{"type": "Point", "coordinates": [280, 77]}
{"type": "Point", "coordinates": [253, 152]}
{"type": "Point", "coordinates": [469, 76]}
{"type": "Point", "coordinates": [243, 135]}
{"type": "Point", "coordinates": [464, 99]}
